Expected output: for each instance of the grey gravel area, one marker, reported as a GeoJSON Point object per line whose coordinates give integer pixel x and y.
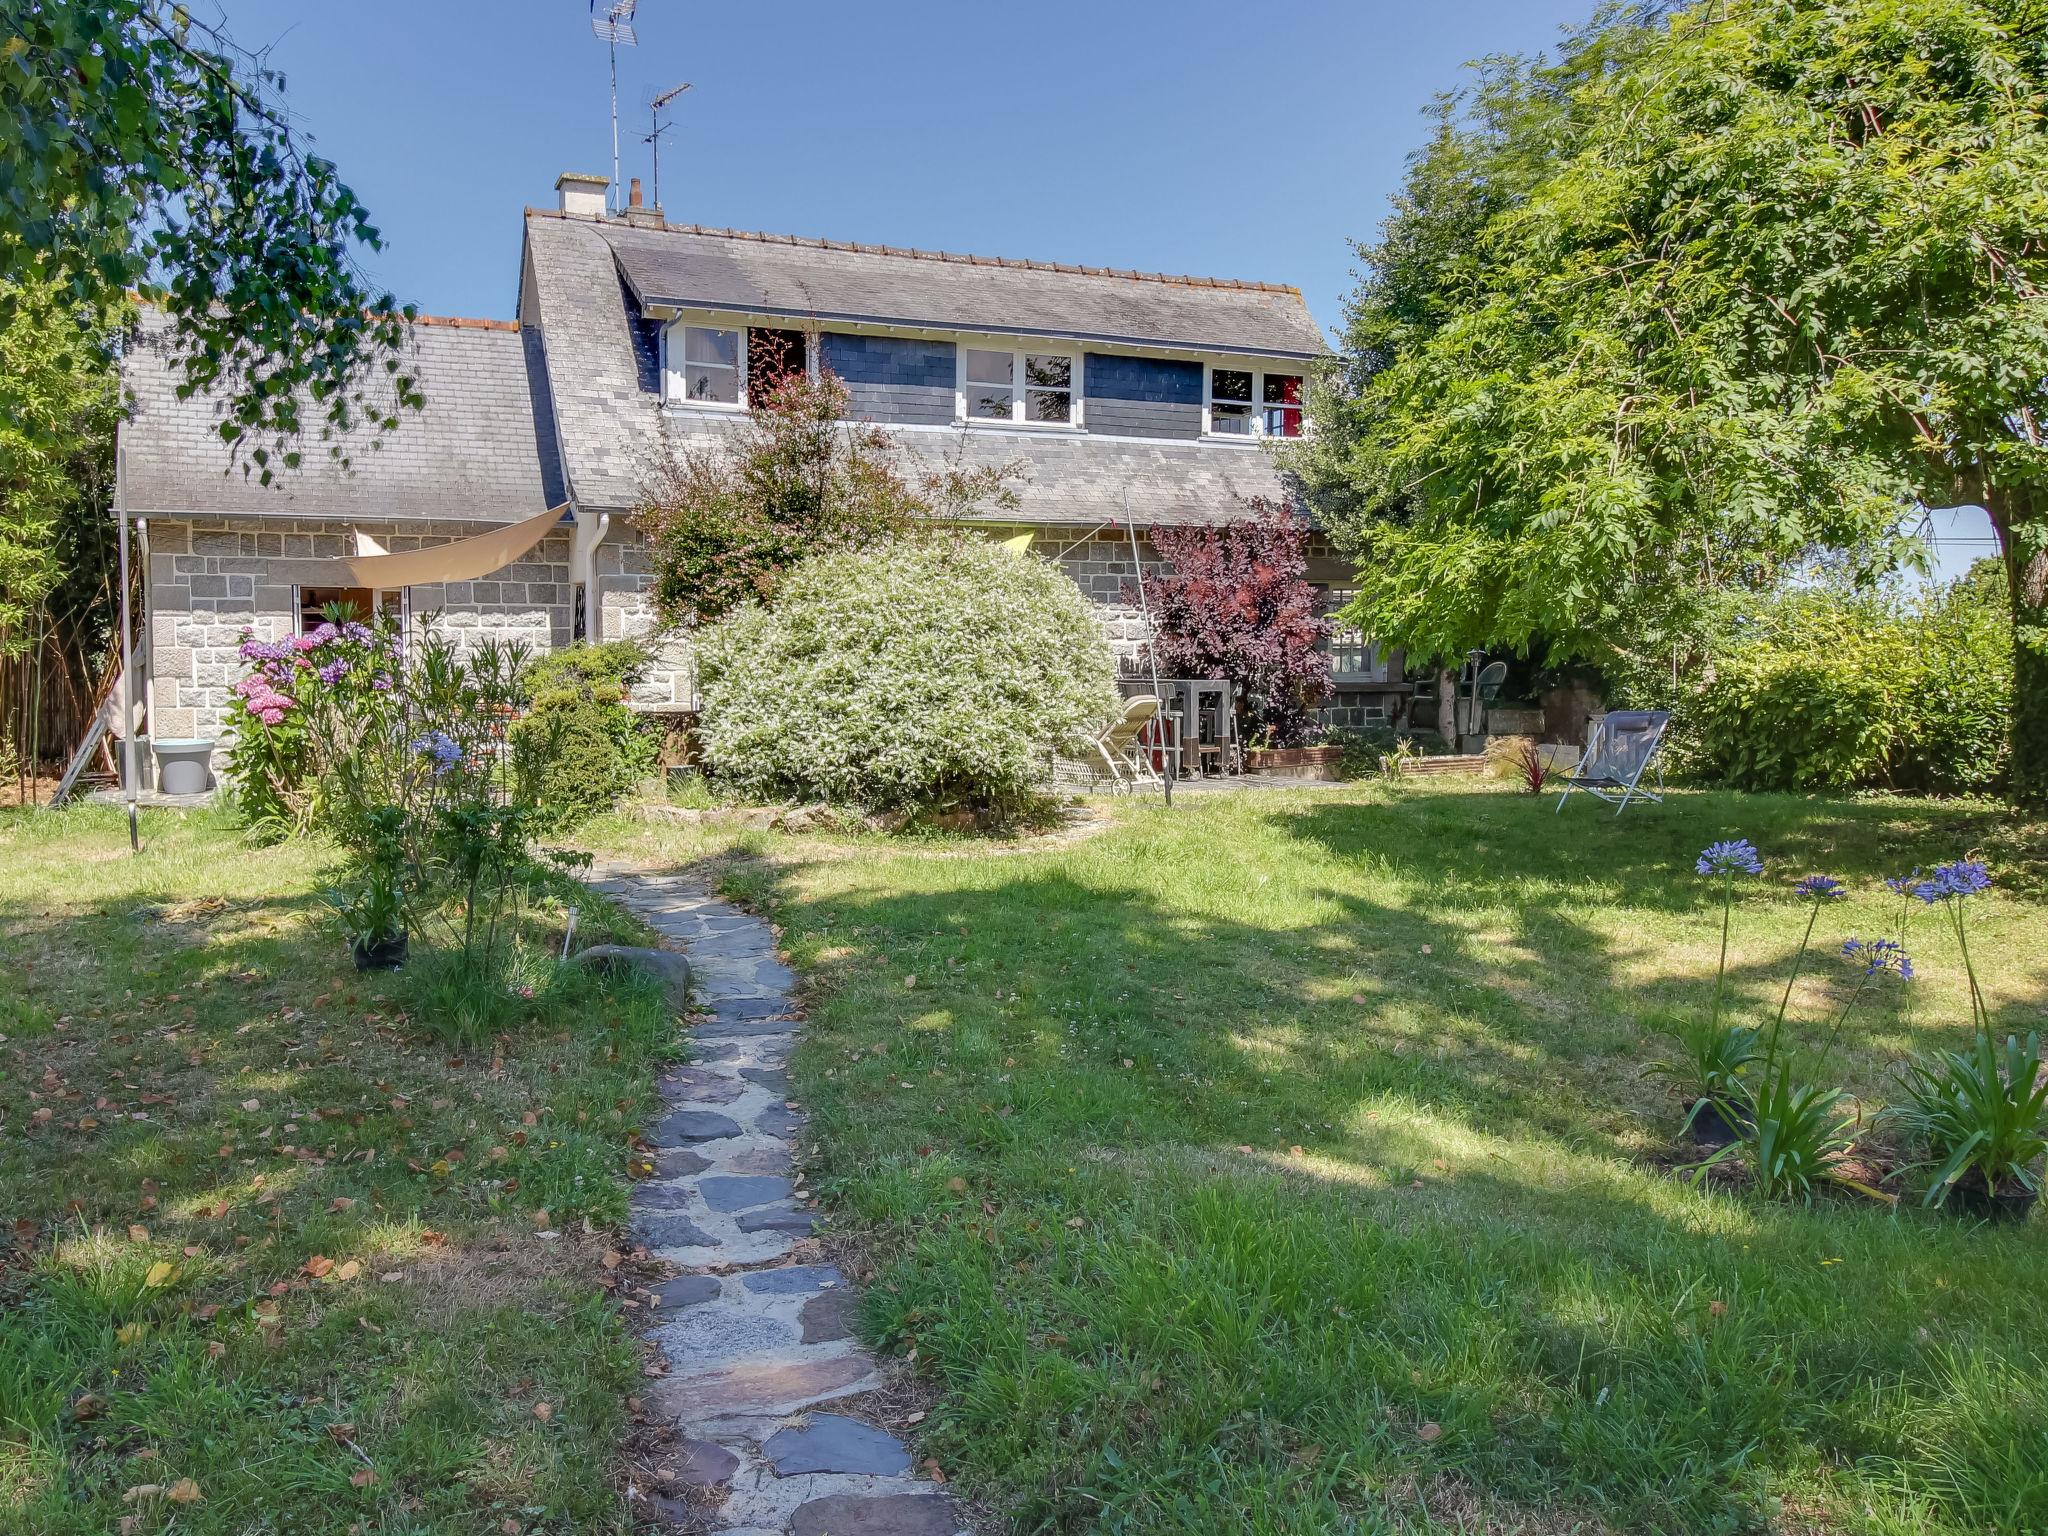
{"type": "Point", "coordinates": [760, 1348]}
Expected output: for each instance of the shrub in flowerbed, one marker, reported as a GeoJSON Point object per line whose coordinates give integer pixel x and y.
{"type": "Point", "coordinates": [586, 747]}
{"type": "Point", "coordinates": [935, 673]}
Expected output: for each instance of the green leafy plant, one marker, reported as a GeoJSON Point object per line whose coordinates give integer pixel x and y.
{"type": "Point", "coordinates": [1794, 1134]}
{"type": "Point", "coordinates": [579, 743]}
{"type": "Point", "coordinates": [1981, 1112]}
{"type": "Point", "coordinates": [935, 673]}
{"type": "Point", "coordinates": [1709, 1065]}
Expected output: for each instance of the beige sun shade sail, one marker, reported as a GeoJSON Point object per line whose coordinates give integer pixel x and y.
{"type": "Point", "coordinates": [463, 560]}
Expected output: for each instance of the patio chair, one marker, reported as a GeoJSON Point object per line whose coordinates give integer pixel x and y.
{"type": "Point", "coordinates": [1121, 749]}
{"type": "Point", "coordinates": [1622, 748]}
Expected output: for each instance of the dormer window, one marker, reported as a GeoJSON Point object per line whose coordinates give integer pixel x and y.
{"type": "Point", "coordinates": [1247, 402]}
{"type": "Point", "coordinates": [1027, 388]}
{"type": "Point", "coordinates": [711, 366]}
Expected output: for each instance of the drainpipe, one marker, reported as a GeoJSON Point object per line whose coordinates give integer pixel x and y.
{"type": "Point", "coordinates": [583, 544]}
{"type": "Point", "coordinates": [147, 649]}
{"type": "Point", "coordinates": [127, 693]}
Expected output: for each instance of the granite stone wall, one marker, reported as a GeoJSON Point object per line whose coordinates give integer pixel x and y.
{"type": "Point", "coordinates": [211, 581]}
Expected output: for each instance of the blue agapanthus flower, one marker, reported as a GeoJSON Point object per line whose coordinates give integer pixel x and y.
{"type": "Point", "coordinates": [1738, 857]}
{"type": "Point", "coordinates": [1905, 885]}
{"type": "Point", "coordinates": [441, 747]}
{"type": "Point", "coordinates": [1820, 887]}
{"type": "Point", "coordinates": [1965, 877]}
{"type": "Point", "coordinates": [1879, 955]}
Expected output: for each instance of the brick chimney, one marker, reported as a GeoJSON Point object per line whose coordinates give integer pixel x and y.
{"type": "Point", "coordinates": [582, 195]}
{"type": "Point", "coordinates": [637, 211]}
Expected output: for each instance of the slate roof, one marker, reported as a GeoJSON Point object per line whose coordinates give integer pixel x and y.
{"type": "Point", "coordinates": [689, 266]}
{"type": "Point", "coordinates": [483, 449]}
{"type": "Point", "coordinates": [579, 291]}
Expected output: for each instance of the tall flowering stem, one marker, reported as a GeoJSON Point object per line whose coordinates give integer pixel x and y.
{"type": "Point", "coordinates": [1949, 887]}
{"type": "Point", "coordinates": [1818, 890]}
{"type": "Point", "coordinates": [1727, 859]}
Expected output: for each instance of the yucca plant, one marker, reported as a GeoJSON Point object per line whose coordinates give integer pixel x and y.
{"type": "Point", "coordinates": [1983, 1111]}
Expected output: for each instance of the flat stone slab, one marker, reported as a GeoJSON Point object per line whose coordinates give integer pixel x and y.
{"type": "Point", "coordinates": [777, 1221]}
{"type": "Point", "coordinates": [679, 1162]}
{"type": "Point", "coordinates": [687, 1291]}
{"type": "Point", "coordinates": [770, 1387]}
{"type": "Point", "coordinates": [828, 1317]}
{"type": "Point", "coordinates": [793, 1279]}
{"type": "Point", "coordinates": [831, 1442]}
{"type": "Point", "coordinates": [703, 1336]}
{"type": "Point", "coordinates": [717, 1028]}
{"type": "Point", "coordinates": [769, 1157]}
{"type": "Point", "coordinates": [704, 1465]}
{"type": "Point", "coordinates": [680, 1125]}
{"type": "Point", "coordinates": [670, 1232]}
{"type": "Point", "coordinates": [774, 1079]}
{"type": "Point", "coordinates": [696, 1085]}
{"type": "Point", "coordinates": [895, 1514]}
{"type": "Point", "coordinates": [777, 1121]}
{"type": "Point", "coordinates": [658, 1197]}
{"type": "Point", "coordinates": [726, 1192]}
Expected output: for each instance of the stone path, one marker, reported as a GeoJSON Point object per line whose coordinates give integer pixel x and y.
{"type": "Point", "coordinates": [760, 1348]}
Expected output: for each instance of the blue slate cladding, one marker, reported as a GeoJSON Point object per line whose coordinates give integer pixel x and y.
{"type": "Point", "coordinates": [1143, 396]}
{"type": "Point", "coordinates": [893, 378]}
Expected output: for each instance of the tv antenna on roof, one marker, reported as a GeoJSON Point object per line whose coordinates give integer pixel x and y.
{"type": "Point", "coordinates": [614, 24]}
{"type": "Point", "coordinates": [654, 112]}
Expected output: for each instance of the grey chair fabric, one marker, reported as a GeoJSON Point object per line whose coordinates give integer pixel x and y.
{"type": "Point", "coordinates": [1624, 745]}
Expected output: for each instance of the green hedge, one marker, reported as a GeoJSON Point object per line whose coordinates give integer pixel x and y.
{"type": "Point", "coordinates": [1822, 691]}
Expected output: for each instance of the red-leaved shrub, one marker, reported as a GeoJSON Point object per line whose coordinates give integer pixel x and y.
{"type": "Point", "coordinates": [1235, 602]}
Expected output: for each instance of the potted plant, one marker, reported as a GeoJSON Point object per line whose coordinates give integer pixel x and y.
{"type": "Point", "coordinates": [372, 914]}
{"type": "Point", "coordinates": [1708, 1071]}
{"type": "Point", "coordinates": [1983, 1121]}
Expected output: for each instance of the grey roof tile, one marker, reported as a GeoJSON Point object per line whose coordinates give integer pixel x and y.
{"type": "Point", "coordinates": [479, 450]}
{"type": "Point", "coordinates": [686, 266]}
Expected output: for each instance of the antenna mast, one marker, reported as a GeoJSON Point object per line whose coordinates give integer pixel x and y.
{"type": "Point", "coordinates": [615, 26]}
{"type": "Point", "coordinates": [654, 112]}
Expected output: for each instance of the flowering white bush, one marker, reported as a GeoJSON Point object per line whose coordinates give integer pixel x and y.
{"type": "Point", "coordinates": [917, 673]}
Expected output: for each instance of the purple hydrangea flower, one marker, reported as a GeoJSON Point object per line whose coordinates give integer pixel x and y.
{"type": "Point", "coordinates": [381, 682]}
{"type": "Point", "coordinates": [1879, 955]}
{"type": "Point", "coordinates": [360, 633]}
{"type": "Point", "coordinates": [334, 672]}
{"type": "Point", "coordinates": [1737, 857]}
{"type": "Point", "coordinates": [1820, 887]}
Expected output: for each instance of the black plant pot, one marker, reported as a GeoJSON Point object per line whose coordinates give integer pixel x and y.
{"type": "Point", "coordinates": [2010, 1201]}
{"type": "Point", "coordinates": [386, 954]}
{"type": "Point", "coordinates": [1710, 1128]}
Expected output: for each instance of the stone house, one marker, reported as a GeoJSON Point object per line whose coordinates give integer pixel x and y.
{"type": "Point", "coordinates": [1130, 400]}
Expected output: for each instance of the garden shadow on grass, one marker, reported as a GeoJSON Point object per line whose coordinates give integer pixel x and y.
{"type": "Point", "coordinates": [1072, 1040]}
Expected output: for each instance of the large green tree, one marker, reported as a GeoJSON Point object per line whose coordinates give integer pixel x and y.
{"type": "Point", "coordinates": [140, 148]}
{"type": "Point", "coordinates": [1725, 285]}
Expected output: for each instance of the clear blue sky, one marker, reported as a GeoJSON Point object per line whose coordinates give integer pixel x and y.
{"type": "Point", "coordinates": [1222, 139]}
{"type": "Point", "coordinates": [1229, 140]}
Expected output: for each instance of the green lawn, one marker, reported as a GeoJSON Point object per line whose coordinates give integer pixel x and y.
{"type": "Point", "coordinates": [1287, 1163]}
{"type": "Point", "coordinates": [271, 1257]}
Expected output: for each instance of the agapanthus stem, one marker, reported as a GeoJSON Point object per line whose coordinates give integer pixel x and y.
{"type": "Point", "coordinates": [1721, 975]}
{"type": "Point", "coordinates": [1798, 965]}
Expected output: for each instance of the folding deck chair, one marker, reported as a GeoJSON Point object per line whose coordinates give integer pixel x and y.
{"type": "Point", "coordinates": [1623, 746]}
{"type": "Point", "coordinates": [1122, 748]}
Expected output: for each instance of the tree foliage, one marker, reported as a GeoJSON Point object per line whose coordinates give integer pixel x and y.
{"type": "Point", "coordinates": [140, 148]}
{"type": "Point", "coordinates": [1723, 285]}
{"type": "Point", "coordinates": [729, 516]}
{"type": "Point", "coordinates": [1235, 601]}
{"type": "Point", "coordinates": [58, 400]}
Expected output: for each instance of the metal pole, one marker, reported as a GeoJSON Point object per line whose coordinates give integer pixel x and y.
{"type": "Point", "coordinates": [1151, 637]}
{"type": "Point", "coordinates": [128, 696]}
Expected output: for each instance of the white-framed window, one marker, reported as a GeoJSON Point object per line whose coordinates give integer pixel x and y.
{"type": "Point", "coordinates": [708, 364]}
{"type": "Point", "coordinates": [1254, 402]}
{"type": "Point", "coordinates": [1021, 386]}
{"type": "Point", "coordinates": [1352, 655]}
